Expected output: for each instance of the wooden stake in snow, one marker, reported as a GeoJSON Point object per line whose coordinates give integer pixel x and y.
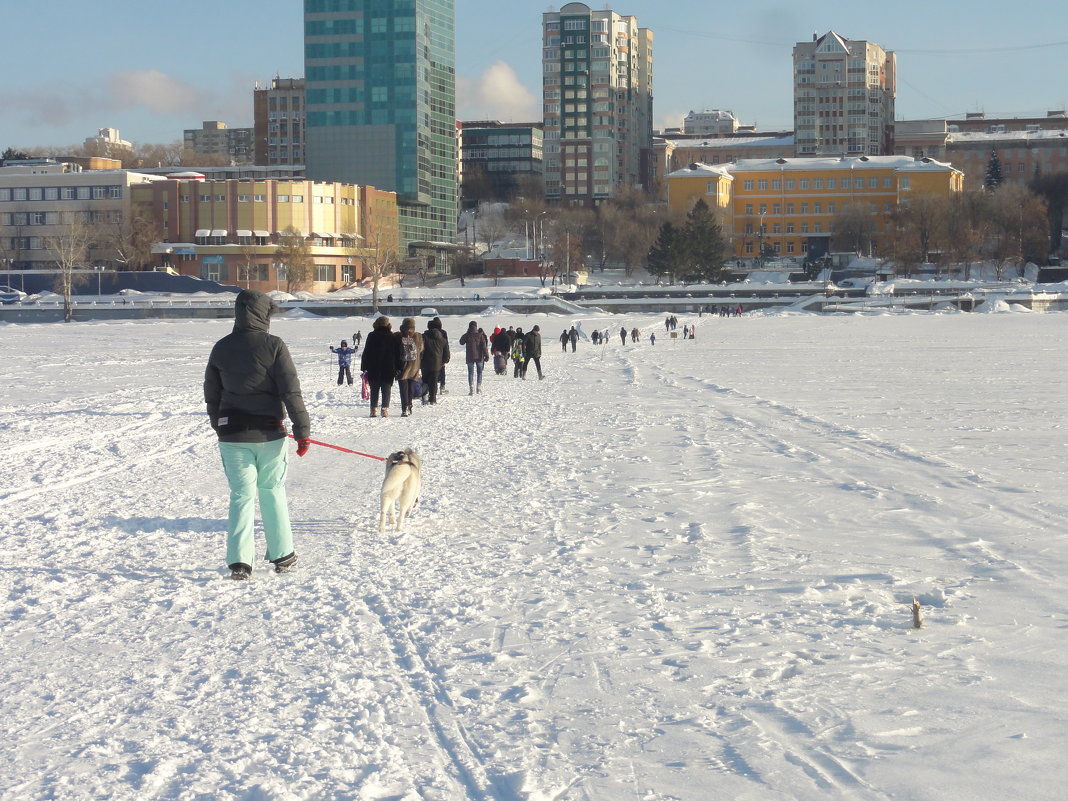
{"type": "Point", "coordinates": [917, 614]}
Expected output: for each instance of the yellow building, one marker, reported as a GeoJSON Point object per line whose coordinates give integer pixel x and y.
{"type": "Point", "coordinates": [229, 230]}
{"type": "Point", "coordinates": [787, 206]}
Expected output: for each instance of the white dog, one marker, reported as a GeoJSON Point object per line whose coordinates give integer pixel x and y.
{"type": "Point", "coordinates": [400, 490]}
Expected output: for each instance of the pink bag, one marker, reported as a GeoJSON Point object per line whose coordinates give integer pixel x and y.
{"type": "Point", "coordinates": [365, 389]}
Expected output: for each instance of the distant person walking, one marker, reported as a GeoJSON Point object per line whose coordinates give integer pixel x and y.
{"type": "Point", "coordinates": [564, 339]}
{"type": "Point", "coordinates": [532, 351]}
{"type": "Point", "coordinates": [477, 354]}
{"type": "Point", "coordinates": [623, 336]}
{"type": "Point", "coordinates": [572, 335]}
{"type": "Point", "coordinates": [250, 386]}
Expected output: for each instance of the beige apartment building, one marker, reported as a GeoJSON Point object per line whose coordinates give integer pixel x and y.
{"type": "Point", "coordinates": [229, 230]}
{"type": "Point", "coordinates": [44, 202]}
{"type": "Point", "coordinates": [597, 70]}
{"type": "Point", "coordinates": [844, 91]}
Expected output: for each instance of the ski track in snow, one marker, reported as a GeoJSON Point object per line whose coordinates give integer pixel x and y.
{"type": "Point", "coordinates": [645, 577]}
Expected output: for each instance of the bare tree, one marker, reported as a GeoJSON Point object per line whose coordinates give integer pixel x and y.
{"type": "Point", "coordinates": [70, 242]}
{"type": "Point", "coordinates": [1018, 230]}
{"type": "Point", "coordinates": [129, 243]}
{"type": "Point", "coordinates": [294, 255]}
{"type": "Point", "coordinates": [853, 229]}
{"type": "Point", "coordinates": [967, 222]}
{"type": "Point", "coordinates": [492, 225]}
{"type": "Point", "coordinates": [379, 253]}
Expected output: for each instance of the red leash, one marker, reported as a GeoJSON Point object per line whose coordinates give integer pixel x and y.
{"type": "Point", "coordinates": [343, 450]}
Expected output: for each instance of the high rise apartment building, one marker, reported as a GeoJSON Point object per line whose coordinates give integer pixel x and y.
{"type": "Point", "coordinates": [598, 102]}
{"type": "Point", "coordinates": [278, 120]}
{"type": "Point", "coordinates": [215, 138]}
{"type": "Point", "coordinates": [380, 84]}
{"type": "Point", "coordinates": [844, 92]}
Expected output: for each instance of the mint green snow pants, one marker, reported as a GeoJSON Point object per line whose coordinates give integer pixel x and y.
{"type": "Point", "coordinates": [256, 469]}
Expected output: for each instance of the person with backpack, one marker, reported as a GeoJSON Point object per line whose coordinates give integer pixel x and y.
{"type": "Point", "coordinates": [477, 354]}
{"type": "Point", "coordinates": [518, 359]}
{"type": "Point", "coordinates": [344, 361]}
{"type": "Point", "coordinates": [411, 349]}
{"type": "Point", "coordinates": [502, 346]}
{"type": "Point", "coordinates": [250, 386]}
{"type": "Point", "coordinates": [382, 362]}
{"type": "Point", "coordinates": [434, 357]}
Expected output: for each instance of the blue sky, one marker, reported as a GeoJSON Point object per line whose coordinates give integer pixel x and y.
{"type": "Point", "coordinates": [154, 69]}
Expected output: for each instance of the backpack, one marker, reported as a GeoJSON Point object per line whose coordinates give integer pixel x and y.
{"type": "Point", "coordinates": [409, 348]}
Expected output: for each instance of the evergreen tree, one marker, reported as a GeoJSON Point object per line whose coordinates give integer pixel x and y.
{"type": "Point", "coordinates": [993, 178]}
{"type": "Point", "coordinates": [12, 154]}
{"type": "Point", "coordinates": [704, 244]}
{"type": "Point", "coordinates": [667, 255]}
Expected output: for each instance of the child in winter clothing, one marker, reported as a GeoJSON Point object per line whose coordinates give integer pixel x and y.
{"type": "Point", "coordinates": [344, 361]}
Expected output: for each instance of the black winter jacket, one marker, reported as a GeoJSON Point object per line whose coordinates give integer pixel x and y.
{"type": "Point", "coordinates": [435, 350]}
{"type": "Point", "coordinates": [383, 356]}
{"type": "Point", "coordinates": [250, 383]}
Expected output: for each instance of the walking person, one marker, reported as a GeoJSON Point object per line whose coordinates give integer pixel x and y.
{"type": "Point", "coordinates": [434, 358]}
{"type": "Point", "coordinates": [572, 337]}
{"type": "Point", "coordinates": [518, 359]}
{"type": "Point", "coordinates": [477, 354]}
{"type": "Point", "coordinates": [623, 336]}
{"type": "Point", "coordinates": [411, 342]}
{"type": "Point", "coordinates": [356, 338]}
{"type": "Point", "coordinates": [532, 351]}
{"type": "Point", "coordinates": [344, 361]}
{"type": "Point", "coordinates": [250, 386]}
{"type": "Point", "coordinates": [564, 339]}
{"type": "Point", "coordinates": [501, 343]}
{"type": "Point", "coordinates": [382, 362]}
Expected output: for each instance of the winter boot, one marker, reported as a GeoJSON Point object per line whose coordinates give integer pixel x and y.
{"type": "Point", "coordinates": [470, 390]}
{"type": "Point", "coordinates": [285, 564]}
{"type": "Point", "coordinates": [385, 411]}
{"type": "Point", "coordinates": [239, 571]}
{"type": "Point", "coordinates": [374, 411]}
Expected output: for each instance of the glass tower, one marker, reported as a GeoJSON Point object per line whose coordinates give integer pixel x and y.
{"type": "Point", "coordinates": [381, 104]}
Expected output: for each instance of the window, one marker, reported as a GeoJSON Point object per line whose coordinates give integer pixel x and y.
{"type": "Point", "coordinates": [776, 184]}
{"type": "Point", "coordinates": [220, 198]}
{"type": "Point", "coordinates": [804, 183]}
{"type": "Point", "coordinates": [748, 208]}
{"type": "Point", "coordinates": [324, 272]}
{"type": "Point", "coordinates": [762, 184]}
{"type": "Point", "coordinates": [831, 183]}
{"type": "Point", "coordinates": [817, 228]}
{"type": "Point", "coordinates": [831, 209]}
{"type": "Point", "coordinates": [817, 183]}
{"type": "Point", "coordinates": [283, 198]}
{"type": "Point", "coordinates": [259, 198]}
{"type": "Point", "coordinates": [817, 208]}
{"type": "Point", "coordinates": [205, 198]}
{"type": "Point", "coordinates": [748, 184]}
{"type": "Point", "coordinates": [873, 183]}
{"type": "Point", "coordinates": [298, 198]}
{"type": "Point", "coordinates": [243, 198]}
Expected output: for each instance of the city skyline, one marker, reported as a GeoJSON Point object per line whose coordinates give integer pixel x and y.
{"type": "Point", "coordinates": [80, 68]}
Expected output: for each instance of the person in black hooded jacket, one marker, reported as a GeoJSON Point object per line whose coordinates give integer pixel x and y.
{"type": "Point", "coordinates": [434, 357]}
{"type": "Point", "coordinates": [250, 385]}
{"type": "Point", "coordinates": [383, 361]}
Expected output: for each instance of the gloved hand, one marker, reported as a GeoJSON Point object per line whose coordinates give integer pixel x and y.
{"type": "Point", "coordinates": [302, 446]}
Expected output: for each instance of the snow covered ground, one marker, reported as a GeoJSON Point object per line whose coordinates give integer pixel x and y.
{"type": "Point", "coordinates": [670, 573]}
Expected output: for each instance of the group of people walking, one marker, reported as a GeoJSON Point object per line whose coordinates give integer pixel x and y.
{"type": "Point", "coordinates": [413, 360]}
{"type": "Point", "coordinates": [522, 348]}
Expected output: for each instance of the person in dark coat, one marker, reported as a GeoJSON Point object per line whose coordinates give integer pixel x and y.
{"type": "Point", "coordinates": [476, 353]}
{"type": "Point", "coordinates": [250, 385]}
{"type": "Point", "coordinates": [382, 361]}
{"type": "Point", "coordinates": [532, 351]}
{"type": "Point", "coordinates": [564, 340]}
{"type": "Point", "coordinates": [435, 357]}
{"type": "Point", "coordinates": [572, 335]}
{"type": "Point", "coordinates": [518, 359]}
{"type": "Point", "coordinates": [623, 335]}
{"type": "Point", "coordinates": [502, 347]}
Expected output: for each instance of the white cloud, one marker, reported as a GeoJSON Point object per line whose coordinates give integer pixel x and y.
{"type": "Point", "coordinates": [496, 94]}
{"type": "Point", "coordinates": [153, 90]}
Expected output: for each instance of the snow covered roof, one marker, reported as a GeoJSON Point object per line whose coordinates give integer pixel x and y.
{"type": "Point", "coordinates": [697, 169]}
{"type": "Point", "coordinates": [963, 137]}
{"type": "Point", "coordinates": [837, 163]}
{"type": "Point", "coordinates": [786, 140]}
